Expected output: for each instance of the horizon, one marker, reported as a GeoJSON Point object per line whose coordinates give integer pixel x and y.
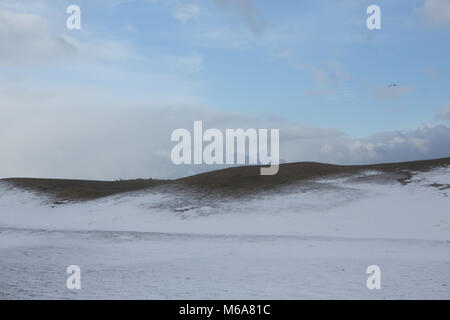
{"type": "Point", "coordinates": [235, 167]}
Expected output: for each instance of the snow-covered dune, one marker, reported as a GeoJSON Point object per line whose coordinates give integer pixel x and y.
{"type": "Point", "coordinates": [312, 239]}
{"type": "Point", "coordinates": [352, 206]}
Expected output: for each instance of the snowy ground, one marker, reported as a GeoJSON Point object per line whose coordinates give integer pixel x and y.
{"type": "Point", "coordinates": [314, 240]}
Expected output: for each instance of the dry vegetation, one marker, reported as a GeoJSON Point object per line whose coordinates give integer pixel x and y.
{"type": "Point", "coordinates": [231, 181]}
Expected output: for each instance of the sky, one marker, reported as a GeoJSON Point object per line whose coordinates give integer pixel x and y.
{"type": "Point", "coordinates": [102, 101]}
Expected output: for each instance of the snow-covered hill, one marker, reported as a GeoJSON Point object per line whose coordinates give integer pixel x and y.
{"type": "Point", "coordinates": [311, 239]}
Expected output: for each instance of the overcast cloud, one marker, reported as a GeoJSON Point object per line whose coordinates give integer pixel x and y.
{"type": "Point", "coordinates": [111, 141]}
{"type": "Point", "coordinates": [25, 34]}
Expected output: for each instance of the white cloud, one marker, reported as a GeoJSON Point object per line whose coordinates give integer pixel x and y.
{"type": "Point", "coordinates": [283, 54]}
{"type": "Point", "coordinates": [444, 113]}
{"type": "Point", "coordinates": [329, 79]}
{"type": "Point", "coordinates": [101, 49]}
{"type": "Point", "coordinates": [436, 13]}
{"type": "Point", "coordinates": [27, 38]}
{"type": "Point", "coordinates": [191, 64]}
{"type": "Point", "coordinates": [247, 11]}
{"type": "Point", "coordinates": [186, 12]}
{"type": "Point", "coordinates": [130, 28]}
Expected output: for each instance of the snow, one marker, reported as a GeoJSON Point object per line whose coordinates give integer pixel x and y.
{"type": "Point", "coordinates": [314, 240]}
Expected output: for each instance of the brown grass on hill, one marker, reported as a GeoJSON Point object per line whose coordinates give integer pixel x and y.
{"type": "Point", "coordinates": [230, 181]}
{"type": "Point", "coordinates": [63, 189]}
